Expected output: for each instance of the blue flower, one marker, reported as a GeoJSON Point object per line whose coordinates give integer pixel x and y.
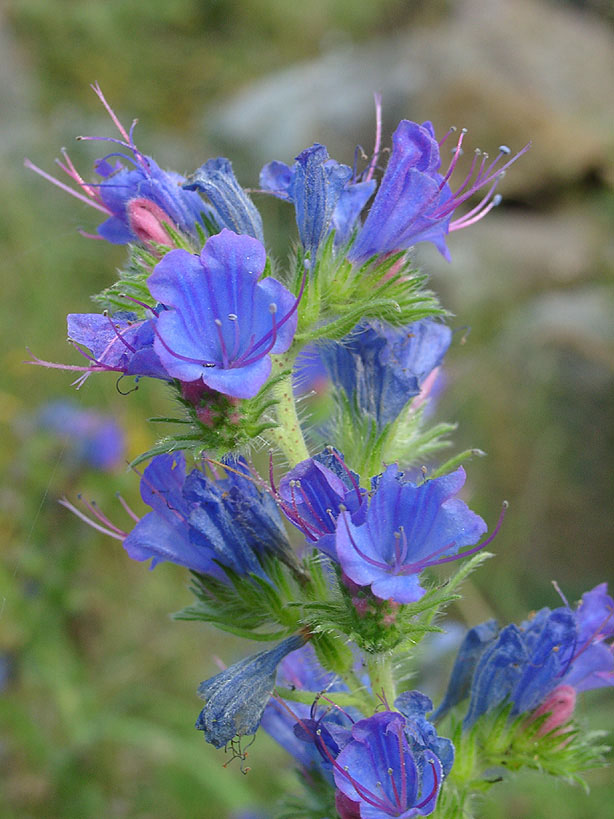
{"type": "Point", "coordinates": [391, 765]}
{"type": "Point", "coordinates": [236, 698]}
{"type": "Point", "coordinates": [234, 521]}
{"type": "Point", "coordinates": [137, 199]}
{"type": "Point", "coordinates": [415, 203]}
{"type": "Point", "coordinates": [222, 324]}
{"type": "Point", "coordinates": [380, 368]}
{"type": "Point", "coordinates": [165, 532]}
{"type": "Point", "coordinates": [202, 523]}
{"type": "Point", "coordinates": [593, 662]}
{"type": "Point", "coordinates": [313, 493]}
{"type": "Point", "coordinates": [523, 665]}
{"type": "Point", "coordinates": [323, 194]}
{"type": "Point", "coordinates": [232, 207]}
{"type": "Point", "coordinates": [125, 190]}
{"type": "Point", "coordinates": [406, 528]}
{"type": "Point", "coordinates": [120, 343]}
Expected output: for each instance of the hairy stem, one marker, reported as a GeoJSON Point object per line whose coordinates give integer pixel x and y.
{"type": "Point", "coordinates": [288, 434]}
{"type": "Point", "coordinates": [382, 678]}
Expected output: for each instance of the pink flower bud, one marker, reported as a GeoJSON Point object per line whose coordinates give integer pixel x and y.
{"type": "Point", "coordinates": [559, 705]}
{"type": "Point", "coordinates": [146, 221]}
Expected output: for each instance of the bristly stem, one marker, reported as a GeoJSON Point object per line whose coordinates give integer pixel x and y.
{"type": "Point", "coordinates": [383, 686]}
{"type": "Point", "coordinates": [288, 435]}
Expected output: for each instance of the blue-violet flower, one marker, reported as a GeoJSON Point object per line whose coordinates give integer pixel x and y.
{"type": "Point", "coordinates": [406, 528]}
{"type": "Point", "coordinates": [221, 324]}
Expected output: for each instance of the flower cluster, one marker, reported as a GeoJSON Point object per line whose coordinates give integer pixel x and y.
{"type": "Point", "coordinates": [201, 309]}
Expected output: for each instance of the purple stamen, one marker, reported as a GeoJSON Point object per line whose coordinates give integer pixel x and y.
{"type": "Point", "coordinates": [434, 789]}
{"type": "Point", "coordinates": [348, 472]}
{"type": "Point", "coordinates": [202, 363]}
{"type": "Point", "coordinates": [477, 548]}
{"type": "Point", "coordinates": [117, 333]}
{"type": "Point", "coordinates": [370, 560]}
{"type": "Point", "coordinates": [451, 130]}
{"type": "Point", "coordinates": [246, 362]}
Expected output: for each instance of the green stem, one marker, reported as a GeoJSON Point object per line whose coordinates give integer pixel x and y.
{"type": "Point", "coordinates": [382, 678]}
{"type": "Point", "coordinates": [307, 697]}
{"type": "Point", "coordinates": [288, 435]}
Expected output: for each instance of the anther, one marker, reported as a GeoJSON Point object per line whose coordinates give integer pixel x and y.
{"type": "Point", "coordinates": [232, 316]}
{"type": "Point", "coordinates": [504, 149]}
{"type": "Point", "coordinates": [272, 308]}
{"type": "Point", "coordinates": [218, 322]}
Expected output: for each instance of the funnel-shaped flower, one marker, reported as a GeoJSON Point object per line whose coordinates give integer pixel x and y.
{"type": "Point", "coordinates": [313, 493]}
{"type": "Point", "coordinates": [524, 664]}
{"type": "Point", "coordinates": [164, 533]}
{"type": "Point", "coordinates": [407, 528]}
{"type": "Point", "coordinates": [137, 198]}
{"type": "Point", "coordinates": [222, 322]}
{"type": "Point", "coordinates": [323, 193]}
{"type": "Point", "coordinates": [380, 368]}
{"type": "Point", "coordinates": [233, 209]}
{"type": "Point", "coordinates": [236, 698]}
{"type": "Point", "coordinates": [415, 203]}
{"type": "Point", "coordinates": [391, 765]}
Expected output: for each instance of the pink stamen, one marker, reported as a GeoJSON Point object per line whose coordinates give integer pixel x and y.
{"type": "Point", "coordinates": [31, 166]}
{"type": "Point", "coordinates": [457, 152]}
{"type": "Point", "coordinates": [378, 136]}
{"type": "Point", "coordinates": [64, 502]}
{"type": "Point", "coordinates": [127, 508]}
{"type": "Point", "coordinates": [98, 91]}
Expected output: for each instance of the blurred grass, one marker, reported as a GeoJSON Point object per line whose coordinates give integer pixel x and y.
{"type": "Point", "coordinates": [98, 709]}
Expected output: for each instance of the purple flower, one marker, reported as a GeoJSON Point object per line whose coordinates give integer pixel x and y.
{"type": "Point", "coordinates": [380, 368]}
{"type": "Point", "coordinates": [592, 665]}
{"type": "Point", "coordinates": [323, 194]}
{"type": "Point", "coordinates": [524, 665]}
{"type": "Point", "coordinates": [389, 766]}
{"type": "Point", "coordinates": [165, 532]}
{"type": "Point", "coordinates": [120, 343]}
{"type": "Point", "coordinates": [222, 324]}
{"type": "Point", "coordinates": [313, 493]}
{"type": "Point", "coordinates": [126, 193]}
{"type": "Point", "coordinates": [236, 698]}
{"type": "Point", "coordinates": [406, 528]}
{"type": "Point", "coordinates": [415, 203]}
{"type": "Point", "coordinates": [203, 523]}
{"type": "Point", "coordinates": [91, 437]}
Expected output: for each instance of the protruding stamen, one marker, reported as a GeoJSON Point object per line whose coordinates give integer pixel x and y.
{"type": "Point", "coordinates": [378, 136]}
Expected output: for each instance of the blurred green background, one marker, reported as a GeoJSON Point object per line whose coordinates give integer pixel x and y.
{"type": "Point", "coordinates": [97, 684]}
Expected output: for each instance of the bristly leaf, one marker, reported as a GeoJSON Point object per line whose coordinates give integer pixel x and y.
{"type": "Point", "coordinates": [218, 426]}
{"type": "Point", "coordinates": [341, 295]}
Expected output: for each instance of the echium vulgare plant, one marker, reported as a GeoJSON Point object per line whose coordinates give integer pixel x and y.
{"type": "Point", "coordinates": [235, 339]}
